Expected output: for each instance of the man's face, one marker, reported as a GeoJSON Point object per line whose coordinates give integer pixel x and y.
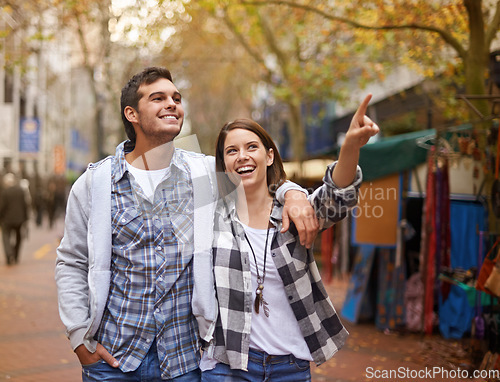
{"type": "Point", "coordinates": [159, 113]}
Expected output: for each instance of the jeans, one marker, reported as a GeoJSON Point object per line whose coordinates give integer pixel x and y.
{"type": "Point", "coordinates": [148, 371]}
{"type": "Point", "coordinates": [262, 367]}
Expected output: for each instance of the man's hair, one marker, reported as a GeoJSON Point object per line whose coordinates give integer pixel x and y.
{"type": "Point", "coordinates": [276, 175]}
{"type": "Point", "coordinates": [130, 93]}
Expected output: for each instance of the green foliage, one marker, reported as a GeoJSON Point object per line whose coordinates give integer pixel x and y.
{"type": "Point", "coordinates": [405, 123]}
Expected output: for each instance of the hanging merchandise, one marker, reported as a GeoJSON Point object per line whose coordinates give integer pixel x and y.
{"type": "Point", "coordinates": [413, 299]}
{"type": "Point", "coordinates": [437, 218]}
{"type": "Point", "coordinates": [443, 239]}
{"type": "Point", "coordinates": [493, 282]}
{"type": "Point", "coordinates": [430, 250]}
{"type": "Point", "coordinates": [390, 313]}
{"type": "Point", "coordinates": [487, 267]}
{"type": "Point", "coordinates": [477, 330]}
{"type": "Point", "coordinates": [495, 189]}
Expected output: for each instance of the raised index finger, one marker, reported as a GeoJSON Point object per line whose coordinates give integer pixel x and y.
{"type": "Point", "coordinates": [361, 112]}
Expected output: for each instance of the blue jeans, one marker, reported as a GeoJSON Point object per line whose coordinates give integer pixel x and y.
{"type": "Point", "coordinates": [262, 367]}
{"type": "Point", "coordinates": [148, 371]}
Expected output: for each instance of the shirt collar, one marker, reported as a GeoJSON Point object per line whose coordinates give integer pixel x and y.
{"type": "Point", "coordinates": [276, 213]}
{"type": "Point", "coordinates": [120, 168]}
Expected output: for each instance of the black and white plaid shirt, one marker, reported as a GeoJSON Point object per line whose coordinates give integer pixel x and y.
{"type": "Point", "coordinates": [313, 309]}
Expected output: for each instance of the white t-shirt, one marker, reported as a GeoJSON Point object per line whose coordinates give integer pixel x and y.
{"type": "Point", "coordinates": [148, 180]}
{"type": "Point", "coordinates": [278, 334]}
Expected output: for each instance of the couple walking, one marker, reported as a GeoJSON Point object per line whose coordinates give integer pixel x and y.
{"type": "Point", "coordinates": [173, 267]}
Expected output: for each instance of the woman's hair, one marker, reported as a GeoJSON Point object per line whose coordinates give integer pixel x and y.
{"type": "Point", "coordinates": [276, 175]}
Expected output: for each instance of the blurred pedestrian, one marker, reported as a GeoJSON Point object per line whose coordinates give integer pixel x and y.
{"type": "Point", "coordinates": [51, 201]}
{"type": "Point", "coordinates": [38, 192]}
{"type": "Point", "coordinates": [124, 268]}
{"type": "Point", "coordinates": [275, 316]}
{"type": "Point", "coordinates": [55, 199]}
{"type": "Point", "coordinates": [13, 215]}
{"type": "Point", "coordinates": [25, 186]}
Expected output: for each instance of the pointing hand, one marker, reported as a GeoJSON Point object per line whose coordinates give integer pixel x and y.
{"type": "Point", "coordinates": [362, 128]}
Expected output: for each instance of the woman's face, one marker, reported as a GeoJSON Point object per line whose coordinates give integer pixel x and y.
{"type": "Point", "coordinates": [246, 159]}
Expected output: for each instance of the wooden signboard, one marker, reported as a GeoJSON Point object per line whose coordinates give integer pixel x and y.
{"type": "Point", "coordinates": [376, 216]}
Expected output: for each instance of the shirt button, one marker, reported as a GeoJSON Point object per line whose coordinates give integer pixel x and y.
{"type": "Point", "coordinates": [124, 220]}
{"type": "Point", "coordinates": [290, 297]}
{"type": "Point", "coordinates": [148, 340]}
{"type": "Point", "coordinates": [158, 248]}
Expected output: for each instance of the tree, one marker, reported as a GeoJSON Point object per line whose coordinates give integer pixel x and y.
{"type": "Point", "coordinates": [115, 41]}
{"type": "Point", "coordinates": [461, 32]}
{"type": "Point", "coordinates": [466, 27]}
{"type": "Point", "coordinates": [293, 54]}
{"type": "Point", "coordinates": [89, 20]}
{"type": "Point", "coordinates": [214, 75]}
{"type": "Point", "coordinates": [42, 23]}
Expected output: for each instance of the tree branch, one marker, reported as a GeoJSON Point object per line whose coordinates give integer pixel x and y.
{"type": "Point", "coordinates": [273, 45]}
{"type": "Point", "coordinates": [246, 45]}
{"type": "Point", "coordinates": [83, 44]}
{"type": "Point", "coordinates": [445, 35]}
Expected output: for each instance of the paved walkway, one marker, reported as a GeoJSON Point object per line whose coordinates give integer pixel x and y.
{"type": "Point", "coordinates": [33, 347]}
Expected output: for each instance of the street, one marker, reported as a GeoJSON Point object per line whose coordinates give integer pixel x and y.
{"type": "Point", "coordinates": [33, 347]}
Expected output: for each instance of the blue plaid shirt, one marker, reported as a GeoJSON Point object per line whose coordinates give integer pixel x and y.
{"type": "Point", "coordinates": [151, 263]}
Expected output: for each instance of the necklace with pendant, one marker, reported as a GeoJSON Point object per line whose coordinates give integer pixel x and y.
{"type": "Point", "coordinates": [259, 292]}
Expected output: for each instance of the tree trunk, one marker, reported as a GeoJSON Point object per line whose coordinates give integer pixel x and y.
{"type": "Point", "coordinates": [476, 65]}
{"type": "Point", "coordinates": [297, 134]}
{"type": "Point", "coordinates": [477, 60]}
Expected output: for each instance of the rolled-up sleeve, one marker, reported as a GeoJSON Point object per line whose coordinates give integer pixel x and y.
{"type": "Point", "coordinates": [333, 203]}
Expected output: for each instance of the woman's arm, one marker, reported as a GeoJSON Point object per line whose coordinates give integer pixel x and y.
{"type": "Point", "coordinates": [296, 208]}
{"type": "Point", "coordinates": [339, 192]}
{"type": "Point", "coordinates": [360, 131]}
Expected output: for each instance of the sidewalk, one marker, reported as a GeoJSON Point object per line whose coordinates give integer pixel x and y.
{"type": "Point", "coordinates": [33, 347]}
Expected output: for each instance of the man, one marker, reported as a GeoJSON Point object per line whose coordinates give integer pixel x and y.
{"type": "Point", "coordinates": [13, 215]}
{"type": "Point", "coordinates": [125, 297]}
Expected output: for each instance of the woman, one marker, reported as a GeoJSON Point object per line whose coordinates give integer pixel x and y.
{"type": "Point", "coordinates": [274, 313]}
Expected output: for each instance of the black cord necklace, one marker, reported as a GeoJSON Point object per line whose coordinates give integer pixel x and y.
{"type": "Point", "coordinates": [259, 296]}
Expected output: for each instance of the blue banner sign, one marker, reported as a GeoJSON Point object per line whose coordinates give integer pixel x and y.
{"type": "Point", "coordinates": [29, 135]}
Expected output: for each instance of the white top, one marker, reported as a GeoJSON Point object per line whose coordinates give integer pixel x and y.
{"type": "Point", "coordinates": [278, 334]}
{"type": "Point", "coordinates": [148, 180]}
